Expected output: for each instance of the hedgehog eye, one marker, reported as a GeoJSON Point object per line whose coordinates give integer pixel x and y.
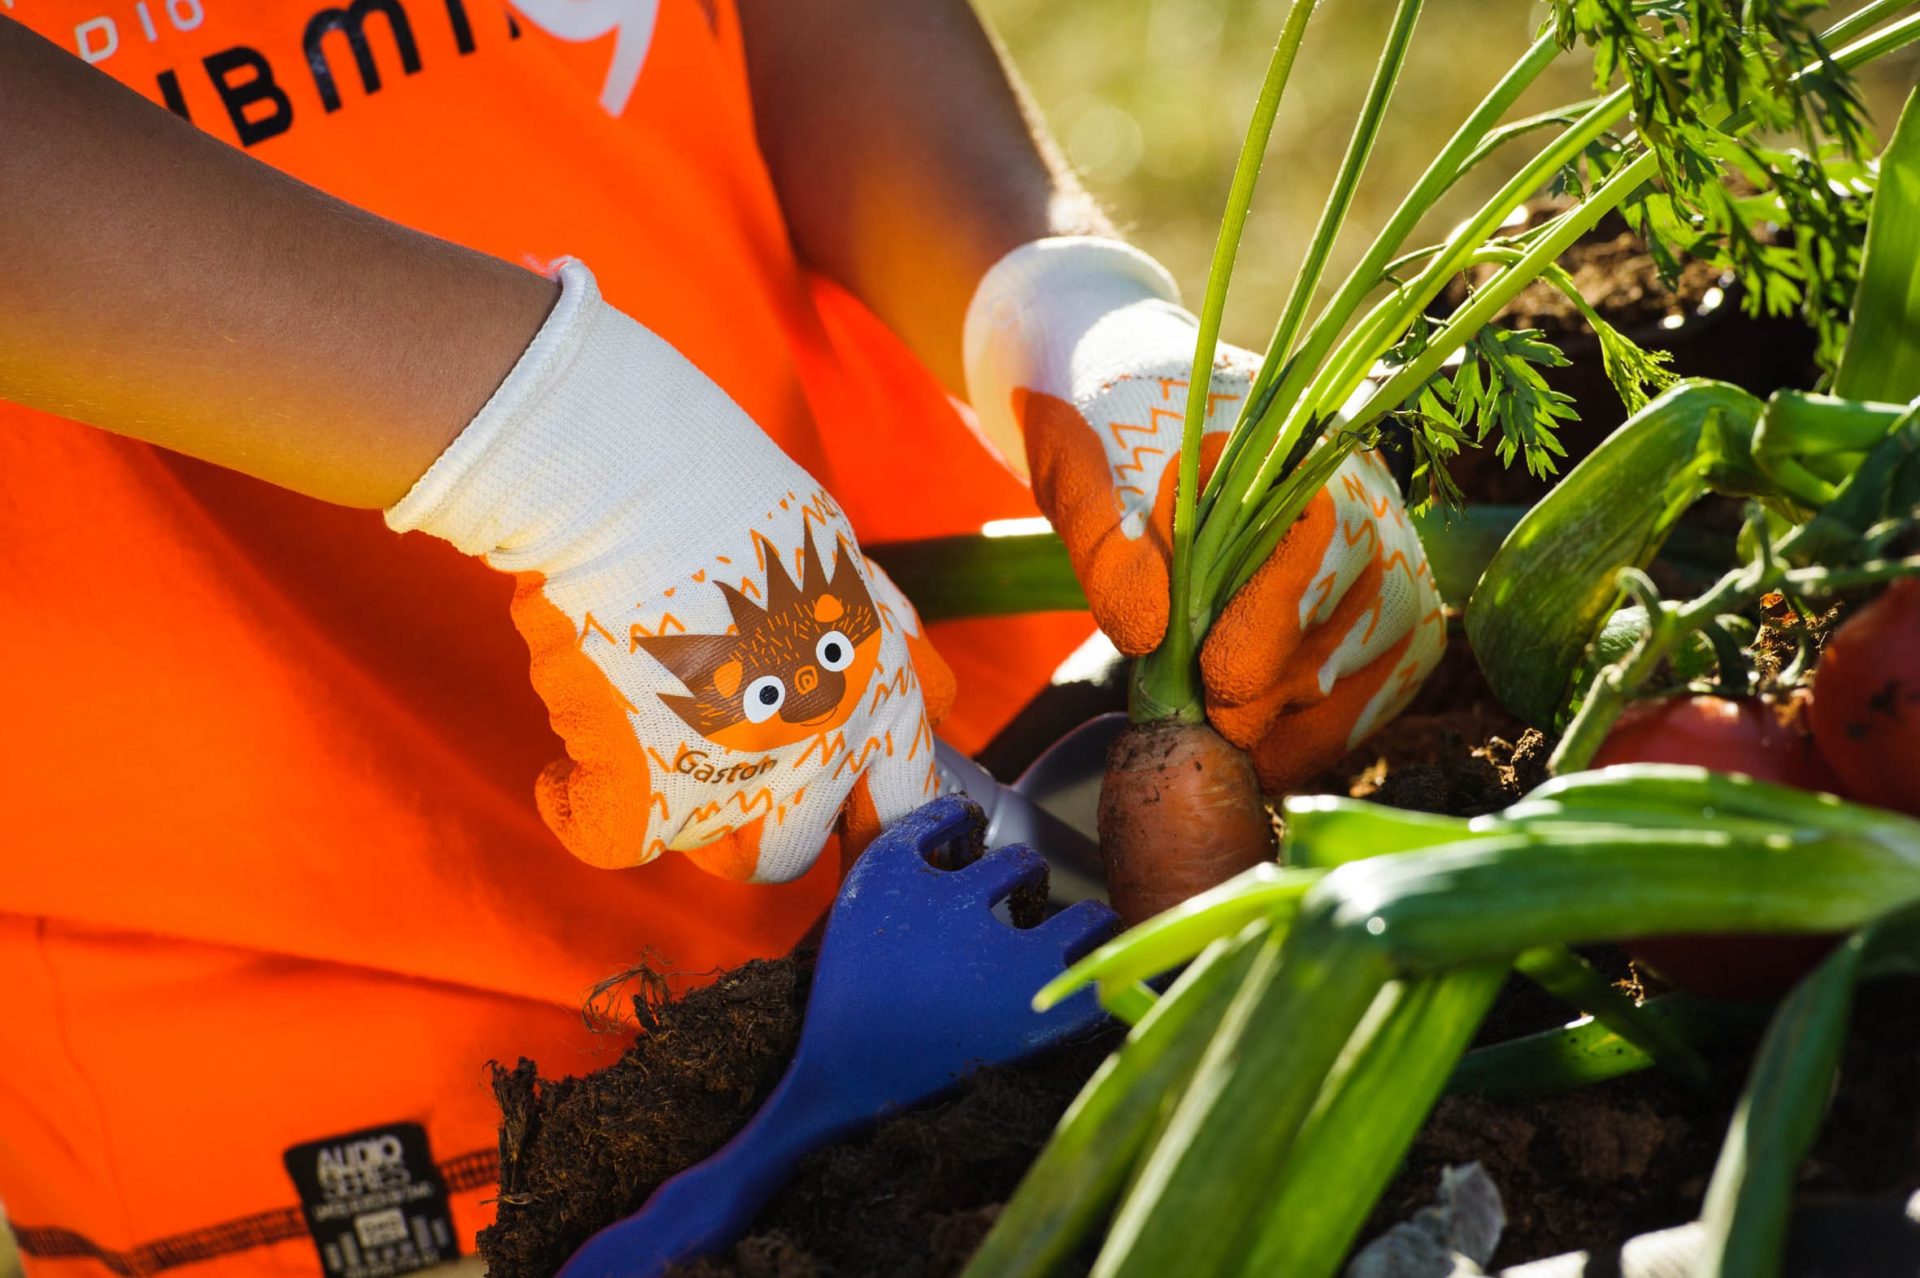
{"type": "Point", "coordinates": [835, 650]}
{"type": "Point", "coordinates": [764, 698]}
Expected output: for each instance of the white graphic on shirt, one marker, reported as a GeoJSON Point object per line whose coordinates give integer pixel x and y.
{"type": "Point", "coordinates": [582, 20]}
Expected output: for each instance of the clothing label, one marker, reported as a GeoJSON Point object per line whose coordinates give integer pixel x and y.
{"type": "Point", "coordinates": [374, 1201]}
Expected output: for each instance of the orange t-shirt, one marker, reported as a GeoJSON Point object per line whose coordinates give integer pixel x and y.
{"type": "Point", "coordinates": [273, 888]}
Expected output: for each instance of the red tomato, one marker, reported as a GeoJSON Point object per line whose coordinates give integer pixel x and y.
{"type": "Point", "coordinates": [1866, 703]}
{"type": "Point", "coordinates": [1768, 741]}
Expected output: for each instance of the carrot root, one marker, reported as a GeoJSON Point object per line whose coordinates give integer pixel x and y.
{"type": "Point", "coordinates": [1180, 811]}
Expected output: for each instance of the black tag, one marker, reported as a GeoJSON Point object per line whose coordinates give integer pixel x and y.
{"type": "Point", "coordinates": [374, 1201]}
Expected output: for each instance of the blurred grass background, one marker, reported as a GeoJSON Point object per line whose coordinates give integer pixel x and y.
{"type": "Point", "coordinates": [1149, 100]}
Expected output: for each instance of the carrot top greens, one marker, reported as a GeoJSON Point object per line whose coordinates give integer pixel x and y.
{"type": "Point", "coordinates": [1725, 133]}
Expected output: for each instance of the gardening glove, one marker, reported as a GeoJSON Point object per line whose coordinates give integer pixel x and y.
{"type": "Point", "coordinates": [729, 674]}
{"type": "Point", "coordinates": [1078, 355]}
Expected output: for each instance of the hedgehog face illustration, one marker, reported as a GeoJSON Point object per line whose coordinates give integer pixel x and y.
{"type": "Point", "coordinates": [796, 666]}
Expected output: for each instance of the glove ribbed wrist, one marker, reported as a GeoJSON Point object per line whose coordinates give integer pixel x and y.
{"type": "Point", "coordinates": [599, 418]}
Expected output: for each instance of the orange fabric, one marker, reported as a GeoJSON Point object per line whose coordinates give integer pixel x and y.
{"type": "Point", "coordinates": [1246, 723]}
{"type": "Point", "coordinates": [273, 869]}
{"type": "Point", "coordinates": [937, 686]}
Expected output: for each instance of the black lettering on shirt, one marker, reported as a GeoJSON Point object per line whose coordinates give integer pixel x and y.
{"type": "Point", "coordinates": [238, 97]}
{"type": "Point", "coordinates": [170, 94]}
{"type": "Point", "coordinates": [353, 21]}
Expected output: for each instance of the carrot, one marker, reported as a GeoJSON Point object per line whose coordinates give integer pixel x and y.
{"type": "Point", "coordinates": [1866, 703]}
{"type": "Point", "coordinates": [1180, 811]}
{"type": "Point", "coordinates": [1766, 740]}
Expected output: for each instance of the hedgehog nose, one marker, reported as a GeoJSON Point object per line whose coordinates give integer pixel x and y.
{"type": "Point", "coordinates": [805, 680]}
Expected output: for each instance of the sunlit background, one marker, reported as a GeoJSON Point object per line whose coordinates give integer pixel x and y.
{"type": "Point", "coordinates": [1149, 99]}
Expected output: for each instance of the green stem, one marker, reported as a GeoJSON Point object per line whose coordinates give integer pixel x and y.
{"type": "Point", "coordinates": [1667, 625]}
{"type": "Point", "coordinates": [1567, 976]}
{"type": "Point", "coordinates": [1170, 684]}
{"type": "Point", "coordinates": [1400, 307]}
{"type": "Point", "coordinates": [1366, 132]}
{"type": "Point", "coordinates": [1239, 507]}
{"type": "Point", "coordinates": [1338, 377]}
{"type": "Point", "coordinates": [1587, 1052]}
{"type": "Point", "coordinates": [1670, 624]}
{"type": "Point", "coordinates": [1245, 450]}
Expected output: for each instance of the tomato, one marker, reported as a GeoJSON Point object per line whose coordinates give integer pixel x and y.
{"type": "Point", "coordinates": [1866, 702]}
{"type": "Point", "coordinates": [1768, 741]}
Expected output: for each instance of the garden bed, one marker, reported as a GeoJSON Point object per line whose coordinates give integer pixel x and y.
{"type": "Point", "coordinates": [916, 1196]}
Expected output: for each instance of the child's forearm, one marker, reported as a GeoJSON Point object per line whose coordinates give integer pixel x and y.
{"type": "Point", "coordinates": [905, 160]}
{"type": "Point", "coordinates": [159, 284]}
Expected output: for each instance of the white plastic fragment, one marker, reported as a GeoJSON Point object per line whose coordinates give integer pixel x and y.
{"type": "Point", "coordinates": [1453, 1238]}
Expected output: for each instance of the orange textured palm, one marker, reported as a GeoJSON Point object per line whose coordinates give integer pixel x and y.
{"type": "Point", "coordinates": [1316, 602]}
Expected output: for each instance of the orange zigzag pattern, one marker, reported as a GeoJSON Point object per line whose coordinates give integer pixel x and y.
{"type": "Point", "coordinates": [857, 763]}
{"type": "Point", "coordinates": [591, 625]}
{"type": "Point", "coordinates": [759, 803]}
{"type": "Point", "coordinates": [829, 743]}
{"type": "Point", "coordinates": [1137, 465]}
{"type": "Point", "coordinates": [884, 690]}
{"type": "Point", "coordinates": [669, 625]}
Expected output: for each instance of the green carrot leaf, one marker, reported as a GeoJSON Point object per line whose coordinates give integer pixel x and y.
{"type": "Point", "coordinates": [1637, 374]}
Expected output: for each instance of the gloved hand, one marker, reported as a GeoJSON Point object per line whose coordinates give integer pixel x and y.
{"type": "Point", "coordinates": [728, 672]}
{"type": "Point", "coordinates": [1078, 354]}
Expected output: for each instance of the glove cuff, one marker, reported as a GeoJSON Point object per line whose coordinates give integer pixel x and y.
{"type": "Point", "coordinates": [597, 419]}
{"type": "Point", "coordinates": [1033, 307]}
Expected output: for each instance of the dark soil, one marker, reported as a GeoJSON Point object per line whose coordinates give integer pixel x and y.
{"type": "Point", "coordinates": [577, 1154]}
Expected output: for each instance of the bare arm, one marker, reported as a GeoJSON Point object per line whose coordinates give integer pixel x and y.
{"type": "Point", "coordinates": [904, 156]}
{"type": "Point", "coordinates": [159, 284]}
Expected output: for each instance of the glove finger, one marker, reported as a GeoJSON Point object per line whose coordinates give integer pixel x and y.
{"type": "Point", "coordinates": [1251, 645]}
{"type": "Point", "coordinates": [1318, 658]}
{"type": "Point", "coordinates": [599, 801]}
{"type": "Point", "coordinates": [1309, 737]}
{"type": "Point", "coordinates": [1305, 740]}
{"type": "Point", "coordinates": [900, 778]}
{"type": "Point", "coordinates": [938, 688]}
{"type": "Point", "coordinates": [1125, 578]}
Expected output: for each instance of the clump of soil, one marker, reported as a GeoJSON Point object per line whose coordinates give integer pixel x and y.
{"type": "Point", "coordinates": [915, 1198]}
{"type": "Point", "coordinates": [1590, 1169]}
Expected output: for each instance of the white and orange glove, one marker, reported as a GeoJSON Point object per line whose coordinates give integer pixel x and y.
{"type": "Point", "coordinates": [729, 674]}
{"type": "Point", "coordinates": [1078, 355]}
